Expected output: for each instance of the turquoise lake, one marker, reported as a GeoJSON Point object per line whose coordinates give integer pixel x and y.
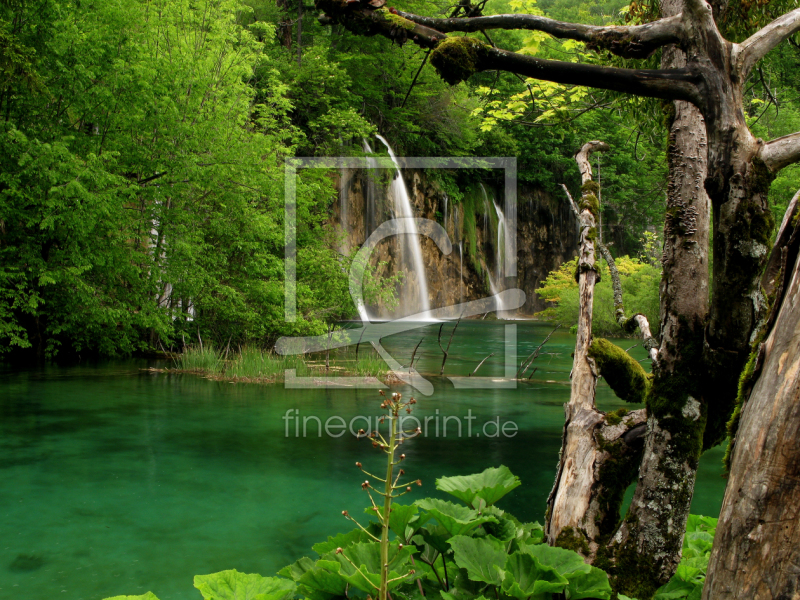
{"type": "Point", "coordinates": [118, 480]}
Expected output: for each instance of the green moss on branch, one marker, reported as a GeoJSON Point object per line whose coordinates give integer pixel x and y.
{"type": "Point", "coordinates": [457, 58]}
{"type": "Point", "coordinates": [622, 372]}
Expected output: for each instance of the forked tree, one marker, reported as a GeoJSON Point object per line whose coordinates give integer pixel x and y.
{"type": "Point", "coordinates": [717, 168]}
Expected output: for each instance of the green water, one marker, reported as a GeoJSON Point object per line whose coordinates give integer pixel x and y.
{"type": "Point", "coordinates": [115, 480]}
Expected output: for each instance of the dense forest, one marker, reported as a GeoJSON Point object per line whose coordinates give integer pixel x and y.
{"type": "Point", "coordinates": [141, 186]}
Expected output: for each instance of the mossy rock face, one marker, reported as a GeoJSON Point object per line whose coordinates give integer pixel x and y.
{"type": "Point", "coordinates": [457, 58]}
{"type": "Point", "coordinates": [621, 371]}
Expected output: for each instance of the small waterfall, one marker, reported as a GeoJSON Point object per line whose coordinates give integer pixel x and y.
{"type": "Point", "coordinates": [343, 200]}
{"type": "Point", "coordinates": [496, 279]}
{"type": "Point", "coordinates": [410, 245]}
{"type": "Point", "coordinates": [370, 214]}
{"type": "Point", "coordinates": [444, 219]}
{"type": "Point", "coordinates": [461, 272]}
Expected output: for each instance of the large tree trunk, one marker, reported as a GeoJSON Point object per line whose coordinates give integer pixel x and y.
{"type": "Point", "coordinates": [647, 548]}
{"type": "Point", "coordinates": [757, 543]}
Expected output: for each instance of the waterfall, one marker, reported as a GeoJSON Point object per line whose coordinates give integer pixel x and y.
{"type": "Point", "coordinates": [496, 280]}
{"type": "Point", "coordinates": [410, 244]}
{"type": "Point", "coordinates": [444, 219]}
{"type": "Point", "coordinates": [343, 200]}
{"type": "Point", "coordinates": [460, 272]}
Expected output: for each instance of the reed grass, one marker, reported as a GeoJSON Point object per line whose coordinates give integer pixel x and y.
{"type": "Point", "coordinates": [254, 364]}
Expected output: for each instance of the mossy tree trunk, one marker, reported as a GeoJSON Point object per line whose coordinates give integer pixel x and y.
{"type": "Point", "coordinates": [758, 536]}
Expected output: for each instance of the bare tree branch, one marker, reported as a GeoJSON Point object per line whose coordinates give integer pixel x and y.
{"type": "Point", "coordinates": [637, 320]}
{"type": "Point", "coordinates": [781, 152]}
{"type": "Point", "coordinates": [457, 58]}
{"type": "Point", "coordinates": [638, 41]}
{"type": "Point", "coordinates": [761, 42]}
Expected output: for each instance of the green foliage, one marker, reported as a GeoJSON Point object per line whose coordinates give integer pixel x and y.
{"type": "Point", "coordinates": [640, 292]}
{"type": "Point", "coordinates": [232, 585]}
{"type": "Point", "coordinates": [483, 489]}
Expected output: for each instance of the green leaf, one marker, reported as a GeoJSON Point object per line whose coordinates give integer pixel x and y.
{"type": "Point", "coordinates": [147, 596]}
{"type": "Point", "coordinates": [562, 560]}
{"type": "Point", "coordinates": [490, 485]}
{"type": "Point", "coordinates": [593, 584]}
{"type": "Point", "coordinates": [675, 588]}
{"type": "Point", "coordinates": [433, 536]}
{"type": "Point", "coordinates": [318, 578]}
{"type": "Point", "coordinates": [584, 580]}
{"type": "Point", "coordinates": [367, 557]}
{"type": "Point", "coordinates": [296, 569]}
{"type": "Point", "coordinates": [526, 577]}
{"type": "Point", "coordinates": [483, 558]}
{"type": "Point", "coordinates": [342, 540]}
{"type": "Point", "coordinates": [399, 519]}
{"type": "Point", "coordinates": [233, 585]}
{"type": "Point", "coordinates": [456, 519]}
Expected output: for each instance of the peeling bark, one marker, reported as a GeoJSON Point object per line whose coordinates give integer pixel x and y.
{"type": "Point", "coordinates": [599, 453]}
{"type": "Point", "coordinates": [758, 536]}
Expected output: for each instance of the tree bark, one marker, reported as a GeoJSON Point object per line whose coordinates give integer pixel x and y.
{"type": "Point", "coordinates": [757, 543]}
{"type": "Point", "coordinates": [598, 454]}
{"type": "Point", "coordinates": [646, 549]}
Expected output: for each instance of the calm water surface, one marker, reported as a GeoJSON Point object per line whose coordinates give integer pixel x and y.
{"type": "Point", "coordinates": [115, 480]}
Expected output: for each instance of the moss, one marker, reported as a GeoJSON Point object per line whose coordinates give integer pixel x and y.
{"type": "Point", "coordinates": [746, 380]}
{"type": "Point", "coordinates": [457, 58]}
{"type": "Point", "coordinates": [615, 417]}
{"type": "Point", "coordinates": [591, 234]}
{"type": "Point", "coordinates": [621, 371]}
{"type": "Point", "coordinates": [572, 539]}
{"type": "Point", "coordinates": [396, 20]}
{"type": "Point", "coordinates": [590, 187]}
{"type": "Point", "coordinates": [590, 202]}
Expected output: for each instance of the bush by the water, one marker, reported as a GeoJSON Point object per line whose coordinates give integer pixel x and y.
{"type": "Point", "coordinates": [640, 283]}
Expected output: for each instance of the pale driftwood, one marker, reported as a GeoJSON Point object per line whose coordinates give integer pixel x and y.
{"type": "Point", "coordinates": [534, 355]}
{"type": "Point", "coordinates": [413, 354]}
{"type": "Point", "coordinates": [480, 363]}
{"type": "Point", "coordinates": [439, 340]}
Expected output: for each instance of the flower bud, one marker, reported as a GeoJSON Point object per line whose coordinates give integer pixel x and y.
{"type": "Point", "coordinates": [412, 401]}
{"type": "Point", "coordinates": [344, 513]}
{"type": "Point", "coordinates": [365, 485]}
{"type": "Point", "coordinates": [419, 481]}
{"type": "Point", "coordinates": [358, 464]}
{"type": "Point", "coordinates": [408, 489]}
{"type": "Point", "coordinates": [402, 457]}
{"type": "Point", "coordinates": [381, 392]}
{"type": "Point", "coordinates": [400, 547]}
{"type": "Point", "coordinates": [339, 551]}
{"type": "Point", "coordinates": [402, 472]}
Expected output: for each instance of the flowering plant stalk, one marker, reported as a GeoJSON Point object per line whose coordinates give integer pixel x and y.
{"type": "Point", "coordinates": [391, 484]}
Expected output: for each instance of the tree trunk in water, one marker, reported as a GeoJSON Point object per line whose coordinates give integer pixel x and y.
{"type": "Point", "coordinates": [758, 536]}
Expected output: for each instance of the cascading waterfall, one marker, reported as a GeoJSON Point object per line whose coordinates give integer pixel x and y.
{"type": "Point", "coordinates": [496, 280]}
{"type": "Point", "coordinates": [410, 244]}
{"type": "Point", "coordinates": [460, 272]}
